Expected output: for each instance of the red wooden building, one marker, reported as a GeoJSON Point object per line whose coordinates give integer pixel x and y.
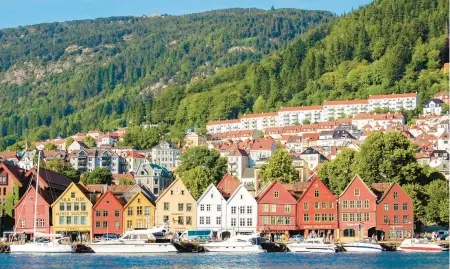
{"type": "Point", "coordinates": [357, 211]}
{"type": "Point", "coordinates": [10, 175]}
{"type": "Point", "coordinates": [395, 212]}
{"type": "Point", "coordinates": [277, 211]}
{"type": "Point", "coordinates": [107, 215]}
{"type": "Point", "coordinates": [317, 210]}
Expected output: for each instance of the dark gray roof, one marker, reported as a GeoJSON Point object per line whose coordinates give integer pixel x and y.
{"type": "Point", "coordinates": [438, 102]}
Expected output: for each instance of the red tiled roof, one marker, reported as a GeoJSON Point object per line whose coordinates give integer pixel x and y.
{"type": "Point", "coordinates": [268, 114]}
{"type": "Point", "coordinates": [392, 96]}
{"type": "Point", "coordinates": [273, 130]}
{"type": "Point", "coordinates": [388, 116]}
{"type": "Point", "coordinates": [228, 185]}
{"type": "Point", "coordinates": [348, 102]}
{"type": "Point", "coordinates": [311, 136]}
{"type": "Point", "coordinates": [300, 108]}
{"type": "Point", "coordinates": [263, 144]}
{"type": "Point", "coordinates": [134, 154]}
{"type": "Point", "coordinates": [420, 155]}
{"type": "Point", "coordinates": [217, 122]}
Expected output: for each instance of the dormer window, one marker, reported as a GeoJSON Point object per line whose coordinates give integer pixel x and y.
{"type": "Point", "coordinates": [276, 194]}
{"type": "Point", "coordinates": [356, 192]}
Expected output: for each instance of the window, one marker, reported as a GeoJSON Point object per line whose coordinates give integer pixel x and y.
{"type": "Point", "coordinates": [233, 210]}
{"type": "Point", "coordinates": [317, 217]}
{"type": "Point", "coordinates": [276, 194]}
{"type": "Point", "coordinates": [117, 224]}
{"type": "Point", "coordinates": [345, 217]}
{"type": "Point", "coordinates": [330, 205]}
{"type": "Point", "coordinates": [352, 204]}
{"type": "Point", "coordinates": [305, 217]}
{"type": "Point", "coordinates": [395, 195]}
{"type": "Point", "coordinates": [265, 220]}
{"type": "Point", "coordinates": [358, 204]}
{"type": "Point", "coordinates": [356, 192]}
{"type": "Point", "coordinates": [180, 220]}
{"type": "Point", "coordinates": [180, 206]}
{"type": "Point", "coordinates": [76, 207]}
{"type": "Point", "coordinates": [202, 220]}
{"type": "Point", "coordinates": [386, 220]}
{"type": "Point", "coordinates": [345, 204]}
{"type": "Point", "coordinates": [395, 207]}
{"type": "Point", "coordinates": [331, 217]}
{"type": "Point", "coordinates": [166, 206]}
{"type": "Point", "coordinates": [83, 206]}
{"type": "Point", "coordinates": [218, 220]}
{"type": "Point", "coordinates": [98, 213]}
{"type": "Point", "coordinates": [97, 224]}
{"type": "Point", "coordinates": [189, 207]}
{"type": "Point", "coordinates": [405, 219]}
{"type": "Point", "coordinates": [208, 220]}
{"type": "Point", "coordinates": [182, 193]}
{"type": "Point", "coordinates": [352, 217]}
{"type": "Point", "coordinates": [69, 206]}
{"type": "Point", "coordinates": [287, 208]}
{"type": "Point", "coordinates": [171, 192]}
{"type": "Point", "coordinates": [358, 217]}
{"type": "Point", "coordinates": [105, 224]}
{"type": "Point", "coordinates": [249, 209]}
{"type": "Point", "coordinates": [324, 205]}
{"type": "Point", "coordinates": [105, 213]}
{"type": "Point", "coordinates": [233, 222]}
{"type": "Point", "coordinates": [241, 222]}
{"type": "Point", "coordinates": [147, 211]}
{"type": "Point", "coordinates": [366, 217]}
{"type": "Point", "coordinates": [202, 207]}
{"type": "Point", "coordinates": [324, 217]}
{"type": "Point", "coordinates": [288, 220]}
{"type": "Point", "coordinates": [305, 206]}
{"type": "Point", "coordinates": [188, 220]}
{"type": "Point", "coordinates": [72, 195]}
{"type": "Point", "coordinates": [116, 213]}
{"type": "Point", "coordinates": [68, 220]}
{"type": "Point", "coordinates": [316, 193]}
{"type": "Point", "coordinates": [366, 204]}
{"type": "Point", "coordinates": [129, 224]}
{"type": "Point", "coordinates": [130, 211]}
{"type": "Point", "coordinates": [396, 220]}
{"type": "Point", "coordinates": [280, 220]}
{"type": "Point", "coordinates": [208, 207]}
{"type": "Point", "coordinates": [405, 206]}
{"type": "Point", "coordinates": [165, 219]}
{"type": "Point", "coordinates": [75, 220]}
{"type": "Point", "coordinates": [273, 208]}
{"type": "Point", "coordinates": [61, 220]}
{"type": "Point", "coordinates": [219, 208]}
{"type": "Point", "coordinates": [273, 220]}
{"type": "Point", "coordinates": [242, 210]}
{"type": "Point", "coordinates": [349, 233]}
{"type": "Point", "coordinates": [386, 207]}
{"type": "Point", "coordinates": [22, 223]}
{"type": "Point", "coordinates": [83, 220]}
{"type": "Point", "coordinates": [316, 205]}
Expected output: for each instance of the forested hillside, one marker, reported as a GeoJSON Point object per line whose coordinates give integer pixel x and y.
{"type": "Point", "coordinates": [61, 78]}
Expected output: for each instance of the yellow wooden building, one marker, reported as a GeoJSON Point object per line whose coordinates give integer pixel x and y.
{"type": "Point", "coordinates": [72, 213]}
{"type": "Point", "coordinates": [139, 212]}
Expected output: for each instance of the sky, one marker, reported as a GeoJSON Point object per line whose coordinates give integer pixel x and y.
{"type": "Point", "coordinates": [15, 13]}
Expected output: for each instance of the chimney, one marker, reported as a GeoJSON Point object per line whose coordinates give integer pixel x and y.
{"type": "Point", "coordinates": [256, 181]}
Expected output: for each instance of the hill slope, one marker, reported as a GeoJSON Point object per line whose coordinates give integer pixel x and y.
{"type": "Point", "coordinates": [61, 78]}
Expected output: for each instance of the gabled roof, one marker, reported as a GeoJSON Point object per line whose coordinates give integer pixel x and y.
{"type": "Point", "coordinates": [210, 187]}
{"type": "Point", "coordinates": [310, 184]}
{"type": "Point", "coordinates": [78, 186]}
{"type": "Point", "coordinates": [49, 199]}
{"type": "Point", "coordinates": [236, 191]}
{"type": "Point", "coordinates": [104, 195]}
{"type": "Point", "coordinates": [15, 172]}
{"type": "Point", "coordinates": [136, 195]}
{"type": "Point", "coordinates": [169, 187]}
{"type": "Point", "coordinates": [50, 179]}
{"type": "Point", "coordinates": [227, 185]}
{"type": "Point", "coordinates": [351, 182]}
{"type": "Point", "coordinates": [384, 188]}
{"type": "Point", "coordinates": [271, 186]}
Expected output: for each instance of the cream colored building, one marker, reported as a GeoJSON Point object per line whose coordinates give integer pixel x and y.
{"type": "Point", "coordinates": [176, 208]}
{"type": "Point", "coordinates": [194, 140]}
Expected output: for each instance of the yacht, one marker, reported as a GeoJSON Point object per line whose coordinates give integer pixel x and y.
{"type": "Point", "coordinates": [420, 245]}
{"type": "Point", "coordinates": [312, 245]}
{"type": "Point", "coordinates": [363, 245]}
{"type": "Point", "coordinates": [134, 241]}
{"type": "Point", "coordinates": [238, 243]}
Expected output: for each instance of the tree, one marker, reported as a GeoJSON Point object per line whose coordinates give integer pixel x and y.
{"type": "Point", "coordinates": [197, 180]}
{"type": "Point", "coordinates": [20, 146]}
{"type": "Point", "coordinates": [338, 173]}
{"type": "Point", "coordinates": [89, 141]}
{"type": "Point", "coordinates": [306, 121]}
{"type": "Point", "coordinates": [126, 181]}
{"type": "Point", "coordinates": [50, 146]}
{"type": "Point", "coordinates": [69, 142]}
{"type": "Point", "coordinates": [143, 138]}
{"type": "Point", "coordinates": [420, 198]}
{"type": "Point", "coordinates": [97, 176]}
{"type": "Point", "coordinates": [71, 173]}
{"type": "Point", "coordinates": [279, 166]}
{"type": "Point", "coordinates": [10, 202]}
{"type": "Point", "coordinates": [445, 109]}
{"type": "Point", "coordinates": [437, 207]}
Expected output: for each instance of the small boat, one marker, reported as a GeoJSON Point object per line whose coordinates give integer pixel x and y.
{"type": "Point", "coordinates": [134, 241]}
{"type": "Point", "coordinates": [238, 243]}
{"type": "Point", "coordinates": [55, 243]}
{"type": "Point", "coordinates": [363, 245]}
{"type": "Point", "coordinates": [420, 245]}
{"type": "Point", "coordinates": [312, 245]}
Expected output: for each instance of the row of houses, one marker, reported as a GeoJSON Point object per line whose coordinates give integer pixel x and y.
{"type": "Point", "coordinates": [330, 110]}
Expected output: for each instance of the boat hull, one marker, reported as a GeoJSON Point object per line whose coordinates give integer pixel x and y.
{"type": "Point", "coordinates": [362, 248]}
{"type": "Point", "coordinates": [132, 248]}
{"type": "Point", "coordinates": [420, 249]}
{"type": "Point", "coordinates": [250, 248]}
{"type": "Point", "coordinates": [313, 249]}
{"type": "Point", "coordinates": [40, 248]}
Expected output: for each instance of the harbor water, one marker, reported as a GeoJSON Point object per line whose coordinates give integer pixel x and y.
{"type": "Point", "coordinates": [234, 261]}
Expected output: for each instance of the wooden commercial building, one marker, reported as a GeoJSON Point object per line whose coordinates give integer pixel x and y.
{"type": "Point", "coordinates": [107, 215]}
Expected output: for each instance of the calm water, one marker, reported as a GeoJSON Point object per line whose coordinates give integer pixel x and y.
{"type": "Point", "coordinates": [234, 261]}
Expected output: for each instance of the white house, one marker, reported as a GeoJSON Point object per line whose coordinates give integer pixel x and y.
{"type": "Point", "coordinates": [259, 121]}
{"type": "Point", "coordinates": [261, 150]}
{"type": "Point", "coordinates": [287, 116]}
{"type": "Point", "coordinates": [241, 214]}
{"type": "Point", "coordinates": [224, 126]}
{"type": "Point", "coordinates": [26, 162]}
{"type": "Point", "coordinates": [394, 102]}
{"type": "Point", "coordinates": [77, 145]}
{"type": "Point", "coordinates": [338, 109]}
{"type": "Point", "coordinates": [211, 210]}
{"type": "Point", "coordinates": [237, 161]}
{"type": "Point", "coordinates": [433, 106]}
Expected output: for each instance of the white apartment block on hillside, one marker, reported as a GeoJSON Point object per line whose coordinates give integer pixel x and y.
{"type": "Point", "coordinates": [396, 102]}
{"type": "Point", "coordinates": [259, 121]}
{"type": "Point", "coordinates": [288, 116]}
{"type": "Point", "coordinates": [224, 126]}
{"type": "Point", "coordinates": [338, 109]}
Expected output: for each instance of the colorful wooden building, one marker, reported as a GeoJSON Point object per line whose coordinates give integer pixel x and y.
{"type": "Point", "coordinates": [317, 211]}
{"type": "Point", "coordinates": [139, 212]}
{"type": "Point", "coordinates": [395, 212]}
{"type": "Point", "coordinates": [277, 212]}
{"type": "Point", "coordinates": [9, 176]}
{"type": "Point", "coordinates": [107, 216]}
{"type": "Point", "coordinates": [357, 211]}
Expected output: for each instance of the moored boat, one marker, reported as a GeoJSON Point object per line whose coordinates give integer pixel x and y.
{"type": "Point", "coordinates": [55, 243]}
{"type": "Point", "coordinates": [312, 245]}
{"type": "Point", "coordinates": [238, 243]}
{"type": "Point", "coordinates": [363, 245]}
{"type": "Point", "coordinates": [420, 245]}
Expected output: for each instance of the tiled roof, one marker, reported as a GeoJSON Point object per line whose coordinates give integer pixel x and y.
{"type": "Point", "coordinates": [347, 102]}
{"type": "Point", "coordinates": [228, 185]}
{"type": "Point", "coordinates": [218, 122]}
{"type": "Point", "coordinates": [392, 96]}
{"type": "Point", "coordinates": [300, 108]}
{"type": "Point", "coordinates": [268, 114]}
{"type": "Point", "coordinates": [263, 144]}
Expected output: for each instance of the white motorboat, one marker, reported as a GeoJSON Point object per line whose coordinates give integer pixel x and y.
{"type": "Point", "coordinates": [56, 243]}
{"type": "Point", "coordinates": [238, 243]}
{"type": "Point", "coordinates": [135, 241]}
{"type": "Point", "coordinates": [312, 245]}
{"type": "Point", "coordinates": [420, 245]}
{"type": "Point", "coordinates": [47, 243]}
{"type": "Point", "coordinates": [363, 245]}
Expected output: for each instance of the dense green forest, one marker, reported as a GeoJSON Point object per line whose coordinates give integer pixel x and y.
{"type": "Point", "coordinates": [61, 78]}
{"type": "Point", "coordinates": [180, 72]}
